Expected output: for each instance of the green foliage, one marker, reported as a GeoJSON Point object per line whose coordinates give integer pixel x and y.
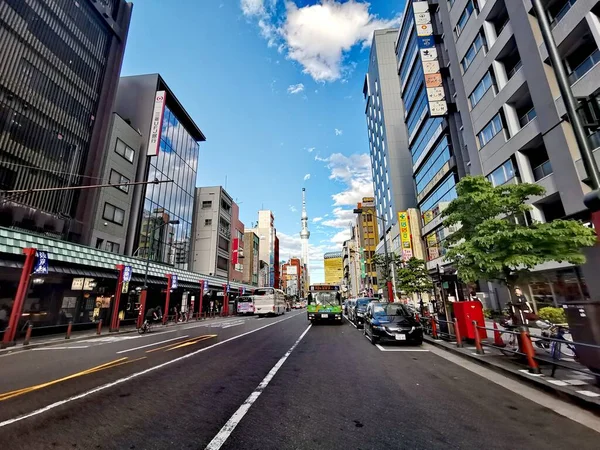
{"type": "Point", "coordinates": [488, 313]}
{"type": "Point", "coordinates": [553, 315]}
{"type": "Point", "coordinates": [490, 244]}
{"type": "Point", "coordinates": [385, 264]}
{"type": "Point", "coordinates": [413, 277]}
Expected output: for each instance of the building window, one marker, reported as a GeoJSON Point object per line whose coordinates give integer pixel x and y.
{"type": "Point", "coordinates": [464, 17]}
{"type": "Point", "coordinates": [207, 222]}
{"type": "Point", "coordinates": [113, 214]}
{"type": "Point", "coordinates": [124, 150]}
{"type": "Point", "coordinates": [493, 127]}
{"type": "Point", "coordinates": [117, 178]}
{"type": "Point", "coordinates": [543, 170]}
{"type": "Point", "coordinates": [478, 43]}
{"type": "Point", "coordinates": [502, 174]}
{"type": "Point", "coordinates": [112, 247]}
{"type": "Point", "coordinates": [484, 85]}
{"type": "Point", "coordinates": [206, 204]}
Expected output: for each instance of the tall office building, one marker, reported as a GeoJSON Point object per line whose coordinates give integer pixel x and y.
{"type": "Point", "coordinates": [388, 140]}
{"type": "Point", "coordinates": [213, 221]}
{"type": "Point", "coordinates": [435, 140]}
{"type": "Point", "coordinates": [170, 141]}
{"type": "Point", "coordinates": [59, 67]}
{"type": "Point", "coordinates": [367, 232]}
{"type": "Point", "coordinates": [251, 262]}
{"type": "Point", "coordinates": [334, 268]}
{"type": "Point", "coordinates": [509, 100]}
{"type": "Point", "coordinates": [265, 230]}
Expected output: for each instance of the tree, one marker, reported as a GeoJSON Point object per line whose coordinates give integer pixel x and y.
{"type": "Point", "coordinates": [413, 277]}
{"type": "Point", "coordinates": [490, 242]}
{"type": "Point", "coordinates": [385, 264]}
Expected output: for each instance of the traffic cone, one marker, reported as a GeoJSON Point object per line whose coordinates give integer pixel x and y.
{"type": "Point", "coordinates": [498, 342]}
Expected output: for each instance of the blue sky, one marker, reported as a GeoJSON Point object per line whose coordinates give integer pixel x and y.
{"type": "Point", "coordinates": [276, 87]}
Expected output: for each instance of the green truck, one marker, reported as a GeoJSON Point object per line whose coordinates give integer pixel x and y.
{"type": "Point", "coordinates": [324, 303]}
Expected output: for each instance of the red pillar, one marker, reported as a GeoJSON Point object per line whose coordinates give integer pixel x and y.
{"type": "Point", "coordinates": [10, 332]}
{"type": "Point", "coordinates": [390, 292]}
{"type": "Point", "coordinates": [201, 298]}
{"type": "Point", "coordinates": [168, 299]}
{"type": "Point", "coordinates": [140, 319]}
{"type": "Point", "coordinates": [115, 322]}
{"type": "Point", "coordinates": [225, 301]}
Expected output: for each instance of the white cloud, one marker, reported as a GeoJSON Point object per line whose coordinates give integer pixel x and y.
{"type": "Point", "coordinates": [341, 236]}
{"type": "Point", "coordinates": [319, 158]}
{"type": "Point", "coordinates": [317, 36]}
{"type": "Point", "coordinates": [310, 149]}
{"type": "Point", "coordinates": [295, 88]}
{"type": "Point", "coordinates": [293, 208]}
{"type": "Point", "coordinates": [342, 218]}
{"type": "Point", "coordinates": [317, 219]}
{"type": "Point", "coordinates": [355, 172]}
{"type": "Point", "coordinates": [307, 177]}
{"type": "Point", "coordinates": [338, 132]}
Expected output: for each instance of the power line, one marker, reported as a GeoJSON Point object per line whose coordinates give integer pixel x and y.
{"type": "Point", "coordinates": [55, 172]}
{"type": "Point", "coordinates": [74, 188]}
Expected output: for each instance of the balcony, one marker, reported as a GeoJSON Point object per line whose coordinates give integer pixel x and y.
{"type": "Point", "coordinates": [527, 117]}
{"type": "Point", "coordinates": [561, 12]}
{"type": "Point", "coordinates": [585, 66]}
{"type": "Point", "coordinates": [542, 171]}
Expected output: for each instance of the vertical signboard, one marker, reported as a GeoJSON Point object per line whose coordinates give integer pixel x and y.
{"type": "Point", "coordinates": [174, 282]}
{"type": "Point", "coordinates": [436, 97]}
{"type": "Point", "coordinates": [41, 263]}
{"type": "Point", "coordinates": [405, 238]}
{"type": "Point", "coordinates": [156, 125]}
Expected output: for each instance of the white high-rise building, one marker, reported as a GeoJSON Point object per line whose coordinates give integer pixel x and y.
{"type": "Point", "coordinates": [304, 235]}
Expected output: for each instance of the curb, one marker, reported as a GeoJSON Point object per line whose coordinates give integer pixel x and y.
{"type": "Point", "coordinates": [19, 347]}
{"type": "Point", "coordinates": [557, 391]}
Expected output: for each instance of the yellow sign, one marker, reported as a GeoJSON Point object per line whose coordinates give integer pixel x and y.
{"type": "Point", "coordinates": [405, 238]}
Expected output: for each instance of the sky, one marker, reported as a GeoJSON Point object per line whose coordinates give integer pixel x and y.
{"type": "Point", "coordinates": [276, 87]}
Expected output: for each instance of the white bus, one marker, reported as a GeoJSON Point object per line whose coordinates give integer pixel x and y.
{"type": "Point", "coordinates": [269, 301]}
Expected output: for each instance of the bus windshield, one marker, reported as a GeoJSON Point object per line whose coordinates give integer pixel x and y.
{"type": "Point", "coordinates": [263, 292]}
{"type": "Point", "coordinates": [325, 298]}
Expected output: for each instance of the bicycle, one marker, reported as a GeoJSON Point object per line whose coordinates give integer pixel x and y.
{"type": "Point", "coordinates": [146, 327]}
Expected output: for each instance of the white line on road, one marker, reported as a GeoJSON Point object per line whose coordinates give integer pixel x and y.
{"type": "Point", "coordinates": [131, 377]}
{"type": "Point", "coordinates": [150, 345]}
{"type": "Point", "coordinates": [218, 441]}
{"type": "Point", "coordinates": [396, 349]}
{"type": "Point", "coordinates": [59, 348]}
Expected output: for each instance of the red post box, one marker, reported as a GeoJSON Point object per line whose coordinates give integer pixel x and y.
{"type": "Point", "coordinates": [466, 313]}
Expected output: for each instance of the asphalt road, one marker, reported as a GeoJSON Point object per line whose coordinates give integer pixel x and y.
{"type": "Point", "coordinates": [234, 384]}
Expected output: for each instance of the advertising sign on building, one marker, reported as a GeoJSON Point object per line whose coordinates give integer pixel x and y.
{"type": "Point", "coordinates": [405, 238]}
{"type": "Point", "coordinates": [127, 271]}
{"type": "Point", "coordinates": [156, 125]}
{"type": "Point", "coordinates": [205, 285]}
{"type": "Point", "coordinates": [174, 282]}
{"type": "Point", "coordinates": [291, 270]}
{"type": "Point", "coordinates": [41, 263]}
{"type": "Point", "coordinates": [429, 59]}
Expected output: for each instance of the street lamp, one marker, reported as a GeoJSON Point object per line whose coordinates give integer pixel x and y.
{"type": "Point", "coordinates": [385, 249]}
{"type": "Point", "coordinates": [144, 292]}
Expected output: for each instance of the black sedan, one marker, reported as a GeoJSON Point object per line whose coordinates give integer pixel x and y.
{"type": "Point", "coordinates": [391, 322]}
{"type": "Point", "coordinates": [356, 313]}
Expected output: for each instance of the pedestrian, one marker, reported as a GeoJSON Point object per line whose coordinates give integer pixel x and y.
{"type": "Point", "coordinates": [3, 317]}
{"type": "Point", "coordinates": [211, 308]}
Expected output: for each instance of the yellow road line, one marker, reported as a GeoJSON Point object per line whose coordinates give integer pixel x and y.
{"type": "Point", "coordinates": [185, 344]}
{"type": "Point", "coordinates": [108, 365]}
{"type": "Point", "coordinates": [170, 345]}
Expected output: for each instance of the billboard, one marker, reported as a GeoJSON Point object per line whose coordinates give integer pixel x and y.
{"type": "Point", "coordinates": [405, 237]}
{"type": "Point", "coordinates": [156, 126]}
{"type": "Point", "coordinates": [436, 97]}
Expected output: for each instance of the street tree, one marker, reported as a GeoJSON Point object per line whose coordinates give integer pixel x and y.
{"type": "Point", "coordinates": [412, 277]}
{"type": "Point", "coordinates": [492, 241]}
{"type": "Point", "coordinates": [385, 263]}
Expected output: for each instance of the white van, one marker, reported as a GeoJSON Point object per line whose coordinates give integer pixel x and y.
{"type": "Point", "coordinates": [269, 301]}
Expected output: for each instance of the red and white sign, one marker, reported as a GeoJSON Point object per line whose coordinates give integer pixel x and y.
{"type": "Point", "coordinates": [156, 125]}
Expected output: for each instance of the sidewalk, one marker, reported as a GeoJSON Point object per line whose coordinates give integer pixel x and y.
{"type": "Point", "coordinates": [43, 341]}
{"type": "Point", "coordinates": [576, 386]}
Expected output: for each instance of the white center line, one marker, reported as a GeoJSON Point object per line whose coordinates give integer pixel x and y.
{"type": "Point", "coordinates": [131, 377]}
{"type": "Point", "coordinates": [218, 441]}
{"type": "Point", "coordinates": [150, 345]}
{"type": "Point", "coordinates": [58, 348]}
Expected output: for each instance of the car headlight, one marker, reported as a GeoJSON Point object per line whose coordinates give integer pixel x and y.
{"type": "Point", "coordinates": [377, 327]}
{"type": "Point", "coordinates": [361, 314]}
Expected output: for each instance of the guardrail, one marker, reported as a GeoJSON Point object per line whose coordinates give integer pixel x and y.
{"type": "Point", "coordinates": [520, 345]}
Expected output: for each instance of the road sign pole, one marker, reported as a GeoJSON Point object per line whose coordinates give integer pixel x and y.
{"type": "Point", "coordinates": [168, 297]}
{"type": "Point", "coordinates": [201, 299]}
{"type": "Point", "coordinates": [114, 323]}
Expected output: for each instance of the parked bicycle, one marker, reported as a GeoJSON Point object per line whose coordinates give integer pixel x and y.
{"type": "Point", "coordinates": [561, 332]}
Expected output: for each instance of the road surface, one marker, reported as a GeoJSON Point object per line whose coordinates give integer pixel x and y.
{"type": "Point", "coordinates": [272, 383]}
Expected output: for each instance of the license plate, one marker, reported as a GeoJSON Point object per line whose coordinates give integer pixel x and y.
{"type": "Point", "coordinates": [400, 337]}
{"type": "Point", "coordinates": [324, 316]}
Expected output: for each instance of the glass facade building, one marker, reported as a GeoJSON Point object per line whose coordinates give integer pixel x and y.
{"type": "Point", "coordinates": [177, 160]}
{"type": "Point", "coordinates": [57, 83]}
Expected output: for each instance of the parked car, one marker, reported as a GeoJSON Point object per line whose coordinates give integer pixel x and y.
{"type": "Point", "coordinates": [358, 310]}
{"type": "Point", "coordinates": [297, 305]}
{"type": "Point", "coordinates": [391, 322]}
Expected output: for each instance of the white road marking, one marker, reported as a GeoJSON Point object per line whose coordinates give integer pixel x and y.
{"type": "Point", "coordinates": [59, 348]}
{"type": "Point", "coordinates": [217, 442]}
{"type": "Point", "coordinates": [131, 377]}
{"type": "Point", "coordinates": [151, 345]}
{"type": "Point", "coordinates": [589, 393]}
{"type": "Point", "coordinates": [351, 323]}
{"type": "Point", "coordinates": [558, 382]}
{"type": "Point", "coordinates": [527, 372]}
{"type": "Point", "coordinates": [563, 408]}
{"type": "Point", "coordinates": [576, 382]}
{"type": "Point", "coordinates": [396, 349]}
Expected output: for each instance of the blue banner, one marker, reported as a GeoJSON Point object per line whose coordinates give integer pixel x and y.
{"type": "Point", "coordinates": [205, 285]}
{"type": "Point", "coordinates": [41, 263]}
{"type": "Point", "coordinates": [228, 288]}
{"type": "Point", "coordinates": [127, 271]}
{"type": "Point", "coordinates": [426, 41]}
{"type": "Point", "coordinates": [174, 284]}
{"type": "Point", "coordinates": [243, 290]}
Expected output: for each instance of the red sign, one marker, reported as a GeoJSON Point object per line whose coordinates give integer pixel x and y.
{"type": "Point", "coordinates": [236, 245]}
